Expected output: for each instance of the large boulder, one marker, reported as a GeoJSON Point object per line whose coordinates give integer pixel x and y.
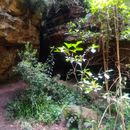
{"type": "Point", "coordinates": [16, 29]}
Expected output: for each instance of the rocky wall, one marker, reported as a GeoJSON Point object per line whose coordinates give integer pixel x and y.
{"type": "Point", "coordinates": [16, 29]}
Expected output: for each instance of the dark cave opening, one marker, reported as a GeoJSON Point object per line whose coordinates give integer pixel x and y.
{"type": "Point", "coordinates": [61, 66]}
{"type": "Point", "coordinates": [50, 36]}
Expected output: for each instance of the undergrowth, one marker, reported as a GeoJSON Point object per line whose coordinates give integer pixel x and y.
{"type": "Point", "coordinates": [45, 98]}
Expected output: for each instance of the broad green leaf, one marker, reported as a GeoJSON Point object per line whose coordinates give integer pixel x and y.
{"type": "Point", "coordinates": [79, 49]}
{"type": "Point", "coordinates": [68, 45]}
{"type": "Point", "coordinates": [95, 46]}
{"type": "Point", "coordinates": [78, 43]}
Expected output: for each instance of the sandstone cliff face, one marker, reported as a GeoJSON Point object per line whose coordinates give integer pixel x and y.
{"type": "Point", "coordinates": [16, 29]}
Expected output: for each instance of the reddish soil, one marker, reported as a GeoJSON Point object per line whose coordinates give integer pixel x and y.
{"type": "Point", "coordinates": [6, 94]}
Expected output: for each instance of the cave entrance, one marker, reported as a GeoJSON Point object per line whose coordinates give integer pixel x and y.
{"type": "Point", "coordinates": [52, 33]}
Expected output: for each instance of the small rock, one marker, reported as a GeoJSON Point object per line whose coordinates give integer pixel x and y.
{"type": "Point", "coordinates": [86, 113]}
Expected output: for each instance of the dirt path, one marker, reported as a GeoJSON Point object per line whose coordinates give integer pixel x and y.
{"type": "Point", "coordinates": [6, 93]}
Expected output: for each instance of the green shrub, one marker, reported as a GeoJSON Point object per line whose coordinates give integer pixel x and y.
{"type": "Point", "coordinates": [45, 98]}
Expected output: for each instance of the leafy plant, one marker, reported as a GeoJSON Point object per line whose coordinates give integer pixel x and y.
{"type": "Point", "coordinates": [87, 81]}
{"type": "Point", "coordinates": [112, 15]}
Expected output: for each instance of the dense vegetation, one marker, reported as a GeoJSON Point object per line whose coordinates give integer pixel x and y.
{"type": "Point", "coordinates": [46, 99]}
{"type": "Point", "coordinates": [44, 94]}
